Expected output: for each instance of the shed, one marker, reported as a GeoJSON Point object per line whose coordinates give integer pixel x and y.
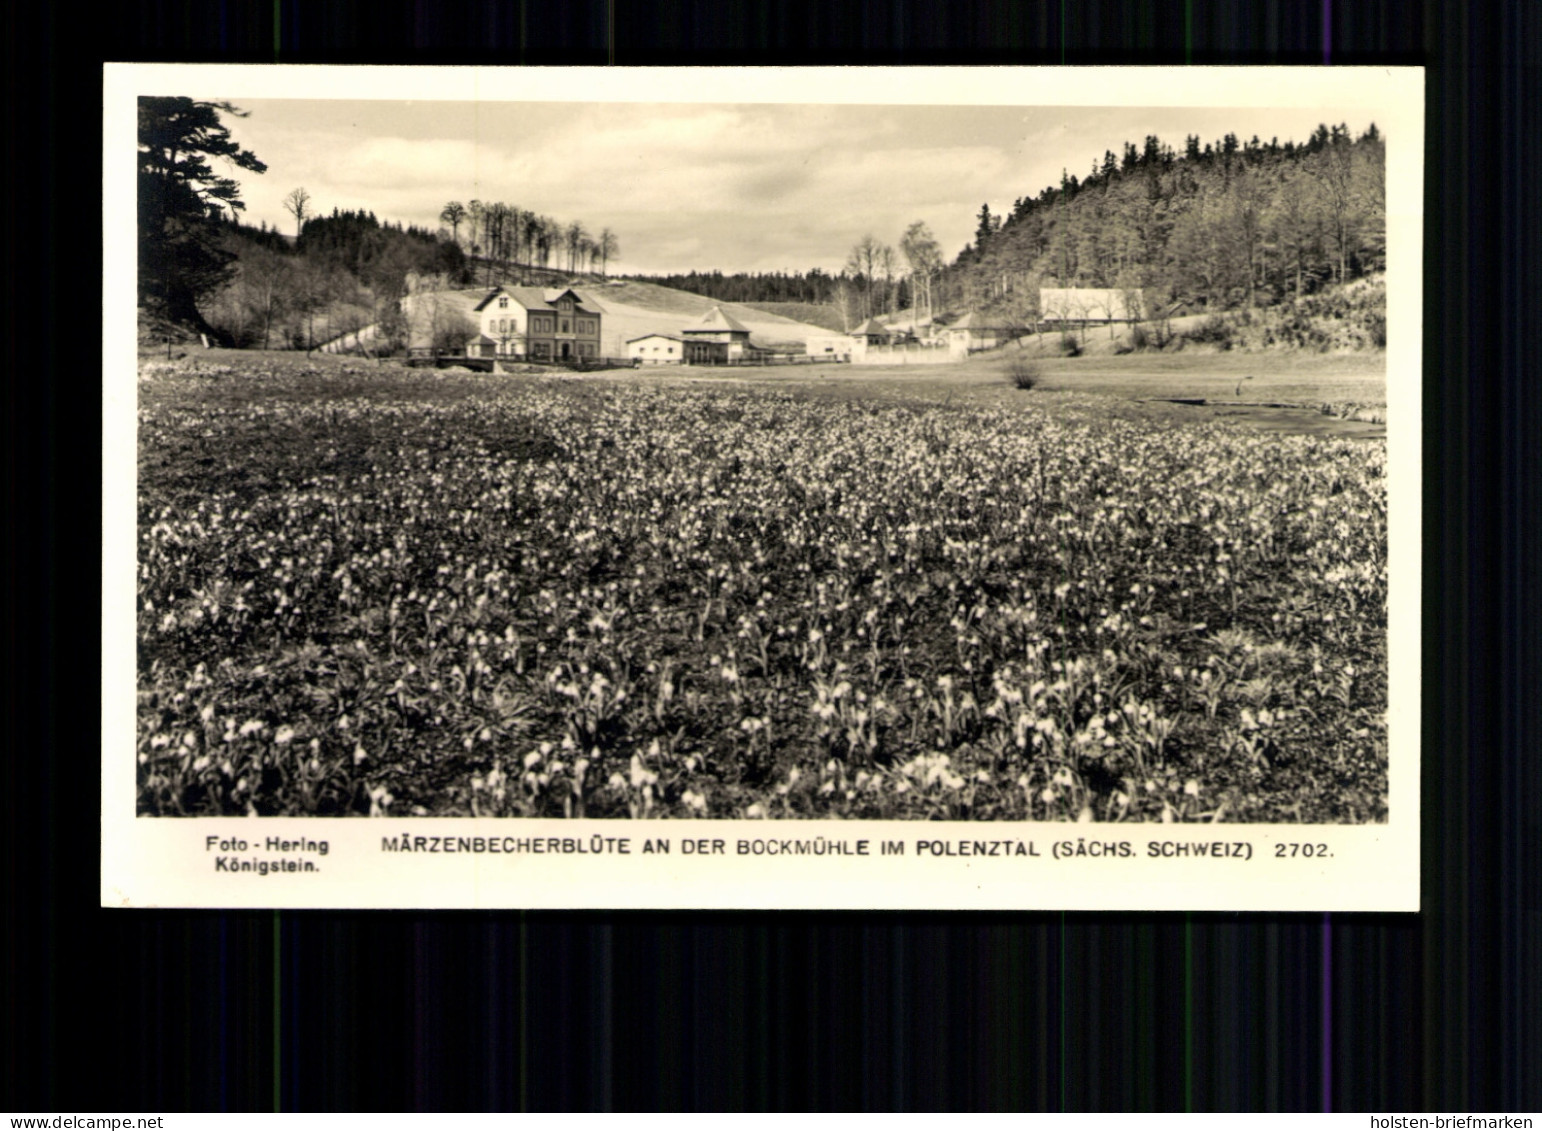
{"type": "Point", "coordinates": [975, 332]}
{"type": "Point", "coordinates": [656, 349]}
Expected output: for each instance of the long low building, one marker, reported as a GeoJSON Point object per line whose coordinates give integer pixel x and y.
{"type": "Point", "coordinates": [1091, 304]}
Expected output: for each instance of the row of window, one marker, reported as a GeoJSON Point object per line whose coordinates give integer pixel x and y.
{"type": "Point", "coordinates": [544, 326]}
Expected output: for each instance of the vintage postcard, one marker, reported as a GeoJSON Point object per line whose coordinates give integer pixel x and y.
{"type": "Point", "coordinates": [820, 488]}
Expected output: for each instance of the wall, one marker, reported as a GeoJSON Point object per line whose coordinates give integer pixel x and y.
{"type": "Point", "coordinates": [903, 355]}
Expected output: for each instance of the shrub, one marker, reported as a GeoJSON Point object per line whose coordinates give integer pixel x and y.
{"type": "Point", "coordinates": [1069, 345]}
{"type": "Point", "coordinates": [1214, 330]}
{"type": "Point", "coordinates": [1151, 336]}
{"type": "Point", "coordinates": [1023, 373]}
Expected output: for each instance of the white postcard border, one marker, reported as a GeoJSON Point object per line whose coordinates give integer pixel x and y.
{"type": "Point", "coordinates": [172, 862]}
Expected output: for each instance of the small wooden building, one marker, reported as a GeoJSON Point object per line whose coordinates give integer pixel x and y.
{"type": "Point", "coordinates": [656, 349]}
{"type": "Point", "coordinates": [974, 332]}
{"type": "Point", "coordinates": [873, 333]}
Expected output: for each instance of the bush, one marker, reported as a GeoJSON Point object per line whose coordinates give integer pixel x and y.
{"type": "Point", "coordinates": [1069, 345]}
{"type": "Point", "coordinates": [1023, 373]}
{"type": "Point", "coordinates": [1152, 336]}
{"type": "Point", "coordinates": [1215, 330]}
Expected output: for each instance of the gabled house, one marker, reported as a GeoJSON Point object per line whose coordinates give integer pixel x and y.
{"type": "Point", "coordinates": [537, 325]}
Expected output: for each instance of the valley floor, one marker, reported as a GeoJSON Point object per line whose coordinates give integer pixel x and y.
{"type": "Point", "coordinates": [364, 589]}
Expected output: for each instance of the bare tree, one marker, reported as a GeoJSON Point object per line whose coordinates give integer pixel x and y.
{"type": "Point", "coordinates": [454, 213]}
{"type": "Point", "coordinates": [862, 262]}
{"type": "Point", "coordinates": [610, 248]}
{"type": "Point", "coordinates": [474, 217]}
{"type": "Point", "coordinates": [529, 232]}
{"type": "Point", "coordinates": [1334, 170]}
{"type": "Point", "coordinates": [886, 264]}
{"type": "Point", "coordinates": [297, 204]}
{"type": "Point", "coordinates": [548, 235]}
{"type": "Point", "coordinates": [925, 258]}
{"type": "Point", "coordinates": [265, 283]}
{"type": "Point", "coordinates": [574, 235]}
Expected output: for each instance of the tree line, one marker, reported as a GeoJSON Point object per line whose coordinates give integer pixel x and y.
{"type": "Point", "coordinates": [812, 286]}
{"type": "Point", "coordinates": [1222, 225]}
{"type": "Point", "coordinates": [505, 236]}
{"type": "Point", "coordinates": [876, 279]}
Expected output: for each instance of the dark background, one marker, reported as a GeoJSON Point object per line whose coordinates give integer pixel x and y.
{"type": "Point", "coordinates": [168, 1011]}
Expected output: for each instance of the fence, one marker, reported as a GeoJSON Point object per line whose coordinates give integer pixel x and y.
{"type": "Point", "coordinates": [424, 357]}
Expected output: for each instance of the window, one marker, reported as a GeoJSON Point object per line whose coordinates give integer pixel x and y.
{"type": "Point", "coordinates": [564, 325]}
{"type": "Point", "coordinates": [503, 304]}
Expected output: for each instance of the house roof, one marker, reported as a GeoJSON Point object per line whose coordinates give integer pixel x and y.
{"type": "Point", "coordinates": [534, 298]}
{"type": "Point", "coordinates": [716, 320]}
{"type": "Point", "coordinates": [645, 337]}
{"type": "Point", "coordinates": [873, 326]}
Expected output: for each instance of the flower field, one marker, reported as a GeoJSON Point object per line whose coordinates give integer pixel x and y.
{"type": "Point", "coordinates": [383, 593]}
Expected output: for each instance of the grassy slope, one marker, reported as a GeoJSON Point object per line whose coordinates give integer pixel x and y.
{"type": "Point", "coordinates": [822, 314]}
{"type": "Point", "coordinates": [633, 309]}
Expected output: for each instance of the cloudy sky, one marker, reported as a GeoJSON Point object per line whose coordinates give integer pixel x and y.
{"type": "Point", "coordinates": [735, 187]}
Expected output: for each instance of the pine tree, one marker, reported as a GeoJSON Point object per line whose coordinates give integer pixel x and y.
{"type": "Point", "coordinates": [182, 202]}
{"type": "Point", "coordinates": [986, 227]}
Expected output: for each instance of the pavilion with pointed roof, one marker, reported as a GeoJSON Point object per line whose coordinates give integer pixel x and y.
{"type": "Point", "coordinates": [873, 333]}
{"type": "Point", "coordinates": [715, 339]}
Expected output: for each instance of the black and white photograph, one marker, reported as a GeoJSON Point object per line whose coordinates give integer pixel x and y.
{"type": "Point", "coordinates": [992, 458]}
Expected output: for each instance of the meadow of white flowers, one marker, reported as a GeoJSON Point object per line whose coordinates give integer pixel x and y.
{"type": "Point", "coordinates": [466, 596]}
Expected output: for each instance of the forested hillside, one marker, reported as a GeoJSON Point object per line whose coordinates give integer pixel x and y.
{"type": "Point", "coordinates": [1219, 226]}
{"type": "Point", "coordinates": [345, 270]}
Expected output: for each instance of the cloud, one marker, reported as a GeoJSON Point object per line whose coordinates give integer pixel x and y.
{"type": "Point", "coordinates": [733, 187]}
